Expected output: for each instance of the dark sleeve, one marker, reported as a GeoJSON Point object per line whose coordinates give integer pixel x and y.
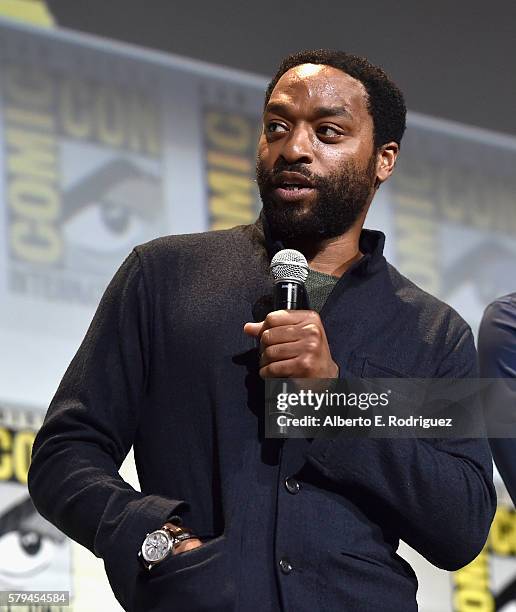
{"type": "Point", "coordinates": [89, 429]}
{"type": "Point", "coordinates": [437, 495]}
{"type": "Point", "coordinates": [497, 340]}
{"type": "Point", "coordinates": [497, 359]}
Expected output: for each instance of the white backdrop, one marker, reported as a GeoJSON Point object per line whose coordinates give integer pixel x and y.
{"type": "Point", "coordinates": [105, 146]}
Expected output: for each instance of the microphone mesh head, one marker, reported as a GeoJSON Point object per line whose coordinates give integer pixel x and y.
{"type": "Point", "coordinates": [289, 264]}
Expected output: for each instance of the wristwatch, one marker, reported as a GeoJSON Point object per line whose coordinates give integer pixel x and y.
{"type": "Point", "coordinates": [158, 545]}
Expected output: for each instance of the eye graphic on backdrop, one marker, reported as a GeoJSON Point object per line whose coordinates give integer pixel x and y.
{"type": "Point", "coordinates": [23, 554]}
{"type": "Point", "coordinates": [28, 544]}
{"type": "Point", "coordinates": [110, 210]}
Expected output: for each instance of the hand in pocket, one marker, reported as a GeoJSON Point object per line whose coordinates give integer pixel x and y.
{"type": "Point", "coordinates": [186, 545]}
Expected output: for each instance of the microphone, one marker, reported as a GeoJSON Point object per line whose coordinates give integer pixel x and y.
{"type": "Point", "coordinates": [289, 269]}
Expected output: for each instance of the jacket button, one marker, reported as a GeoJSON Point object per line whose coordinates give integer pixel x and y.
{"type": "Point", "coordinates": [285, 566]}
{"type": "Point", "coordinates": [292, 485]}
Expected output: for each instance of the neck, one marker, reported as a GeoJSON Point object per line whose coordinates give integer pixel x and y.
{"type": "Point", "coordinates": [334, 255]}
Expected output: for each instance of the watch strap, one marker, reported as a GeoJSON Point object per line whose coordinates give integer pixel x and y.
{"type": "Point", "coordinates": [179, 534]}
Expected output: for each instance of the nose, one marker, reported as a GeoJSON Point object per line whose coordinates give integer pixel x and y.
{"type": "Point", "coordinates": [297, 147]}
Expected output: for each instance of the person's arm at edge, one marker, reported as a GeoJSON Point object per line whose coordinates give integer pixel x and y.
{"type": "Point", "coordinates": [497, 359]}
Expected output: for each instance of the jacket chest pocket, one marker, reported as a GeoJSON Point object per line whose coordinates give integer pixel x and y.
{"type": "Point", "coordinates": [411, 391]}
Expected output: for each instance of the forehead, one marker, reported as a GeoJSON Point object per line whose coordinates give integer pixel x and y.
{"type": "Point", "coordinates": [320, 85]}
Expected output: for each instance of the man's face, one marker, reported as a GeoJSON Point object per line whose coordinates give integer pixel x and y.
{"type": "Point", "coordinates": [316, 164]}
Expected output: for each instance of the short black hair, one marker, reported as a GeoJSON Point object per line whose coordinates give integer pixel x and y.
{"type": "Point", "coordinates": [385, 101]}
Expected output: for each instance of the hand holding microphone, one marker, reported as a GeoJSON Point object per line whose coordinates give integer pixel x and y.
{"type": "Point", "coordinates": [293, 342]}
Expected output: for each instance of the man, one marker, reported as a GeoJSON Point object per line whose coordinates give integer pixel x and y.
{"type": "Point", "coordinates": [171, 365]}
{"type": "Point", "coordinates": [497, 359]}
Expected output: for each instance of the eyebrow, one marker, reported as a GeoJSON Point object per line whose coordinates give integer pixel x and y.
{"type": "Point", "coordinates": [318, 113]}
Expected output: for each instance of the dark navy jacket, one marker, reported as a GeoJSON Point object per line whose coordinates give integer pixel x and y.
{"type": "Point", "coordinates": [497, 358]}
{"type": "Point", "coordinates": [165, 366]}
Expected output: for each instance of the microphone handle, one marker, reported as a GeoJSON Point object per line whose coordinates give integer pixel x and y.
{"type": "Point", "coordinates": [289, 295]}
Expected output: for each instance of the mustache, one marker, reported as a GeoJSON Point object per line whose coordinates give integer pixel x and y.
{"type": "Point", "coordinates": [270, 175]}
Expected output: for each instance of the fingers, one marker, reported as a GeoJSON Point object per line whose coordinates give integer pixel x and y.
{"type": "Point", "coordinates": [280, 318]}
{"type": "Point", "coordinates": [186, 545]}
{"type": "Point", "coordinates": [293, 344]}
{"type": "Point", "coordinates": [288, 317]}
{"type": "Point", "coordinates": [291, 333]}
{"type": "Point", "coordinates": [302, 365]}
{"type": "Point", "coordinates": [253, 329]}
{"type": "Point", "coordinates": [281, 369]}
{"type": "Point", "coordinates": [279, 335]}
{"type": "Point", "coordinates": [280, 352]}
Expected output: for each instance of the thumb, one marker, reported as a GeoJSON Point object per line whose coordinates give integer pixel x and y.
{"type": "Point", "coordinates": [253, 329]}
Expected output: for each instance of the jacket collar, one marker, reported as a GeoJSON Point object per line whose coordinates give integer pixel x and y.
{"type": "Point", "coordinates": [371, 243]}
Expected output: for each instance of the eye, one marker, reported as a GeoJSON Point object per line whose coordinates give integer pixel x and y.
{"type": "Point", "coordinates": [25, 553]}
{"type": "Point", "coordinates": [274, 127]}
{"type": "Point", "coordinates": [117, 216]}
{"type": "Point", "coordinates": [114, 227]}
{"type": "Point", "coordinates": [328, 131]}
{"type": "Point", "coordinates": [110, 208]}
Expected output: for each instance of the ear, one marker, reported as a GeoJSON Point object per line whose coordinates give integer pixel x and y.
{"type": "Point", "coordinates": [386, 160]}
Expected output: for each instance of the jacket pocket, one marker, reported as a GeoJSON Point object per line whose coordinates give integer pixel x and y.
{"type": "Point", "coordinates": [194, 580]}
{"type": "Point", "coordinates": [372, 369]}
{"type": "Point", "coordinates": [410, 391]}
{"type": "Point", "coordinates": [352, 580]}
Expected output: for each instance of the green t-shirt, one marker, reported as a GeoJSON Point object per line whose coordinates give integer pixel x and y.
{"type": "Point", "coordinates": [319, 286]}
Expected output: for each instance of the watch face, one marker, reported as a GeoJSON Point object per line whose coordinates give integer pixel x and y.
{"type": "Point", "coordinates": [156, 546]}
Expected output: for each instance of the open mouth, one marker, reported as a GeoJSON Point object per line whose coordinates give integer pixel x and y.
{"type": "Point", "coordinates": [292, 193]}
{"type": "Point", "coordinates": [294, 187]}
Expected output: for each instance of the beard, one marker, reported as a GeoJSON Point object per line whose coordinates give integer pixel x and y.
{"type": "Point", "coordinates": [340, 198]}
